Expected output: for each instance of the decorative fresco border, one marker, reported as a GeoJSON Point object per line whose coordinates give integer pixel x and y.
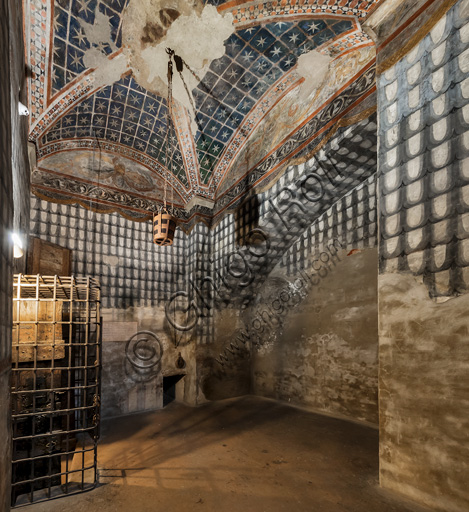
{"type": "Point", "coordinates": [309, 134]}
{"type": "Point", "coordinates": [36, 44]}
{"type": "Point", "coordinates": [407, 36]}
{"type": "Point", "coordinates": [346, 43]}
{"type": "Point", "coordinates": [186, 142]}
{"type": "Point", "coordinates": [101, 200]}
{"type": "Point", "coordinates": [263, 106]}
{"type": "Point", "coordinates": [312, 134]}
{"type": "Point", "coordinates": [118, 149]}
{"type": "Point", "coordinates": [245, 12]}
{"type": "Point", "coordinates": [42, 175]}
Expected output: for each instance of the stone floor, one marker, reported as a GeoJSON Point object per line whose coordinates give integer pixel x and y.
{"type": "Point", "coordinates": [248, 454]}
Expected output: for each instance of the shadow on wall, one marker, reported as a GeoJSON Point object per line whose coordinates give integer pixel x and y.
{"type": "Point", "coordinates": [246, 220]}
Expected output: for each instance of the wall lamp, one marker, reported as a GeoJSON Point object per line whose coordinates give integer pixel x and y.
{"type": "Point", "coordinates": [22, 109]}
{"type": "Point", "coordinates": [18, 245]}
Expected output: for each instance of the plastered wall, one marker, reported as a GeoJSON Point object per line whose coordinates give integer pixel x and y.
{"type": "Point", "coordinates": [318, 310]}
{"type": "Point", "coordinates": [275, 333]}
{"type": "Point", "coordinates": [19, 130]}
{"type": "Point", "coordinates": [424, 256]}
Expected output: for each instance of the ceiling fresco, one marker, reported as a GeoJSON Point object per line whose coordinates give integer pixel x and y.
{"type": "Point", "coordinates": [284, 79]}
{"type": "Point", "coordinates": [72, 28]}
{"type": "Point", "coordinates": [255, 59]}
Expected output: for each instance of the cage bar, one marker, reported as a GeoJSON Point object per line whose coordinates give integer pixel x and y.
{"type": "Point", "coordinates": [55, 386]}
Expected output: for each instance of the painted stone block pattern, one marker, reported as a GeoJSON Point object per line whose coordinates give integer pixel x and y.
{"type": "Point", "coordinates": [424, 160]}
{"type": "Point", "coordinates": [120, 253]}
{"type": "Point", "coordinates": [316, 315]}
{"type": "Point", "coordinates": [424, 242]}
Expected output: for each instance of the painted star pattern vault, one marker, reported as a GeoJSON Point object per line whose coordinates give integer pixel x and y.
{"type": "Point", "coordinates": [69, 113]}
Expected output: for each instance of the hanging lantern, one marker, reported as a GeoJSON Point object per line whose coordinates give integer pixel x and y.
{"type": "Point", "coordinates": [164, 226]}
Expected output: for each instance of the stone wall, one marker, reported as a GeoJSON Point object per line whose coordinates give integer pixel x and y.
{"type": "Point", "coordinates": [137, 279]}
{"type": "Point", "coordinates": [197, 295]}
{"type": "Point", "coordinates": [424, 267]}
{"type": "Point", "coordinates": [19, 129]}
{"type": "Point", "coordinates": [321, 351]}
{"type": "Point", "coordinates": [6, 263]}
{"type": "Point", "coordinates": [14, 212]}
{"type": "Point", "coordinates": [318, 312]}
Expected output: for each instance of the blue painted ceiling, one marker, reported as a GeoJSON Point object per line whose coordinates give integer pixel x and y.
{"type": "Point", "coordinates": [70, 42]}
{"type": "Point", "coordinates": [256, 57]}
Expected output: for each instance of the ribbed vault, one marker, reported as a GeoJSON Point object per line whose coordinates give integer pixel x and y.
{"type": "Point", "coordinates": [271, 85]}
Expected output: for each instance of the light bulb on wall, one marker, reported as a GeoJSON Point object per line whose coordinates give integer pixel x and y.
{"type": "Point", "coordinates": [22, 109]}
{"type": "Point", "coordinates": [18, 246]}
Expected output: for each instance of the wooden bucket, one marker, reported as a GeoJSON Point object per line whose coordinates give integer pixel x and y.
{"type": "Point", "coordinates": [164, 226]}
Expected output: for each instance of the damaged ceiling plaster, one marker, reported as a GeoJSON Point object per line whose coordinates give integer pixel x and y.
{"type": "Point", "coordinates": [194, 32]}
{"type": "Point", "coordinates": [251, 84]}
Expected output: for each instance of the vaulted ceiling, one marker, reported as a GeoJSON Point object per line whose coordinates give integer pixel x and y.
{"type": "Point", "coordinates": [267, 82]}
